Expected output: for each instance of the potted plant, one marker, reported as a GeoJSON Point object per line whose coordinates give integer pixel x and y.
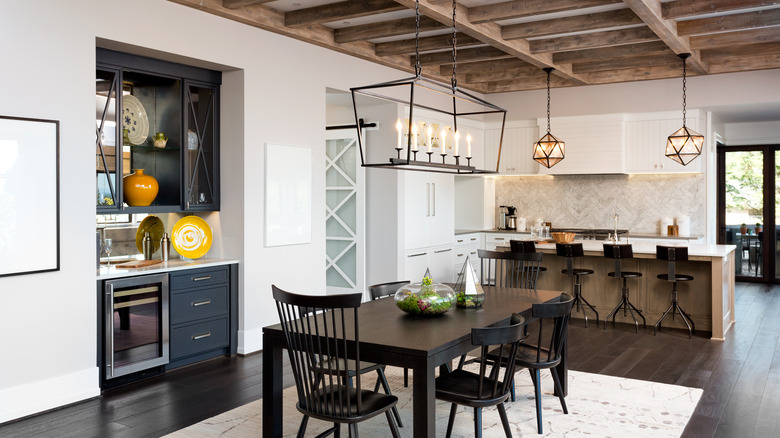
{"type": "Point", "coordinates": [743, 228]}
{"type": "Point", "coordinates": [758, 227]}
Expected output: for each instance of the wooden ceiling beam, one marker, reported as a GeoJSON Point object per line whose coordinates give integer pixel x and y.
{"type": "Point", "coordinates": [437, 42]}
{"type": "Point", "coordinates": [384, 29]}
{"type": "Point", "coordinates": [235, 4]}
{"type": "Point", "coordinates": [623, 63]}
{"type": "Point", "coordinates": [465, 55]}
{"type": "Point", "coordinates": [514, 74]}
{"type": "Point", "coordinates": [691, 8]}
{"type": "Point", "coordinates": [593, 40]}
{"type": "Point", "coordinates": [650, 11]}
{"type": "Point", "coordinates": [725, 23]}
{"type": "Point", "coordinates": [265, 18]}
{"type": "Point", "coordinates": [603, 53]}
{"type": "Point", "coordinates": [525, 8]}
{"type": "Point", "coordinates": [637, 74]}
{"type": "Point", "coordinates": [482, 66]}
{"type": "Point", "coordinates": [490, 33]}
{"type": "Point", "coordinates": [749, 50]}
{"type": "Point", "coordinates": [539, 83]}
{"type": "Point", "coordinates": [339, 11]}
{"type": "Point", "coordinates": [579, 23]}
{"type": "Point", "coordinates": [741, 63]}
{"type": "Point", "coordinates": [764, 35]}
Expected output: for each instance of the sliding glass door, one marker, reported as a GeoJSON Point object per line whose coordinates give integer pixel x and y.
{"type": "Point", "coordinates": [747, 208]}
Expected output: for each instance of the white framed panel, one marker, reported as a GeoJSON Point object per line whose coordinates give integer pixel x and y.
{"type": "Point", "coordinates": [288, 194]}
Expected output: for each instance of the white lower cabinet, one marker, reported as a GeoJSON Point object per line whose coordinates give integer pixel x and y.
{"type": "Point", "coordinates": [494, 240]}
{"type": "Point", "coordinates": [466, 246]}
{"type": "Point", "coordinates": [438, 259]}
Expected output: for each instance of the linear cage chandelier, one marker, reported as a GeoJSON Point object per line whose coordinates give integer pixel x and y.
{"type": "Point", "coordinates": [442, 145]}
{"type": "Point", "coordinates": [684, 144]}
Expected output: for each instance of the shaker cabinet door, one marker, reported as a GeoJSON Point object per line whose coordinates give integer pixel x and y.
{"type": "Point", "coordinates": [200, 155]}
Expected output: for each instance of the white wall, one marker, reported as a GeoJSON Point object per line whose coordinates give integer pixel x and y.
{"type": "Point", "coordinates": [741, 134]}
{"type": "Point", "coordinates": [274, 91]}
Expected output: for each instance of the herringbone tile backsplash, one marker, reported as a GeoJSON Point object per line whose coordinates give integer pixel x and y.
{"type": "Point", "coordinates": [591, 201]}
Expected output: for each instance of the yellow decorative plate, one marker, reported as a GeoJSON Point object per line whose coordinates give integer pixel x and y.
{"type": "Point", "coordinates": [191, 237]}
{"type": "Point", "coordinates": [155, 227]}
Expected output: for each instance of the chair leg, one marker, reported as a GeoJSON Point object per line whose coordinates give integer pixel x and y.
{"type": "Point", "coordinates": [504, 420]}
{"type": "Point", "coordinates": [406, 377]}
{"type": "Point", "coordinates": [658, 324]}
{"type": "Point", "coordinates": [393, 428]}
{"type": "Point", "coordinates": [512, 389]}
{"type": "Point", "coordinates": [453, 410]}
{"type": "Point", "coordinates": [353, 430]}
{"type": "Point", "coordinates": [478, 422]}
{"type": "Point", "coordinates": [302, 427]}
{"type": "Point", "coordinates": [336, 430]}
{"type": "Point", "coordinates": [558, 389]}
{"type": "Point", "coordinates": [582, 302]}
{"type": "Point", "coordinates": [383, 379]}
{"type": "Point", "coordinates": [538, 396]}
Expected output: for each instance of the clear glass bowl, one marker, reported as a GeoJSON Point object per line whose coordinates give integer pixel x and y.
{"type": "Point", "coordinates": [425, 299]}
{"type": "Point", "coordinates": [469, 301]}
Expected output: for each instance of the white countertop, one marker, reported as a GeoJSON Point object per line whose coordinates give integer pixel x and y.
{"type": "Point", "coordinates": [646, 248]}
{"type": "Point", "coordinates": [105, 273]}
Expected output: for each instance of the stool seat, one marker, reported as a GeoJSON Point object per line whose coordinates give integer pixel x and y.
{"type": "Point", "coordinates": [578, 271]}
{"type": "Point", "coordinates": [626, 274]}
{"type": "Point", "coordinates": [677, 277]}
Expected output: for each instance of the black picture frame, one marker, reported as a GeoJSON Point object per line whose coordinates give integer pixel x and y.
{"type": "Point", "coordinates": [29, 195]}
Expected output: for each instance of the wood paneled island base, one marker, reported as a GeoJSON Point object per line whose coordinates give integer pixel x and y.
{"type": "Point", "coordinates": [708, 299]}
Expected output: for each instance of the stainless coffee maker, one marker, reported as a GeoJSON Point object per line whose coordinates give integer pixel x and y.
{"type": "Point", "coordinates": [502, 212]}
{"type": "Point", "coordinates": [511, 219]}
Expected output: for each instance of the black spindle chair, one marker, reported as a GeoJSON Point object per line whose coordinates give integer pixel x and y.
{"type": "Point", "coordinates": [388, 290]}
{"type": "Point", "coordinates": [509, 269]}
{"type": "Point", "coordinates": [486, 387]}
{"type": "Point", "coordinates": [321, 333]}
{"type": "Point", "coordinates": [546, 354]}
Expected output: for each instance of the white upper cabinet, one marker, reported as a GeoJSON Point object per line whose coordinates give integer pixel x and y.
{"type": "Point", "coordinates": [594, 144]}
{"type": "Point", "coordinates": [428, 209]}
{"type": "Point", "coordinates": [516, 150]}
{"type": "Point", "coordinates": [646, 136]}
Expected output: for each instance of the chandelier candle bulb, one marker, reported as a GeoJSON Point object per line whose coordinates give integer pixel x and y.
{"type": "Point", "coordinates": [468, 145]}
{"type": "Point", "coordinates": [414, 137]}
{"type": "Point", "coordinates": [430, 138]}
{"type": "Point", "coordinates": [400, 129]}
{"type": "Point", "coordinates": [443, 141]}
{"type": "Point", "coordinates": [457, 137]}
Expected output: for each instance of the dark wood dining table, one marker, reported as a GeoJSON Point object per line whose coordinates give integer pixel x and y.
{"type": "Point", "coordinates": [391, 337]}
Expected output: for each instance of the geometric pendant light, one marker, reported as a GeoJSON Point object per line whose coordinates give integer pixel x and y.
{"type": "Point", "coordinates": [549, 150]}
{"type": "Point", "coordinates": [684, 144]}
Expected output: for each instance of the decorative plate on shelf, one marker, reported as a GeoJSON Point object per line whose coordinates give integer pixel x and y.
{"type": "Point", "coordinates": [191, 237]}
{"type": "Point", "coordinates": [134, 119]}
{"type": "Point", "coordinates": [155, 227]}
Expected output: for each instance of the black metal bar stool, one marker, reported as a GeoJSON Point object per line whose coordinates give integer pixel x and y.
{"type": "Point", "coordinates": [524, 247]}
{"type": "Point", "coordinates": [620, 252]}
{"type": "Point", "coordinates": [674, 254]}
{"type": "Point", "coordinates": [570, 251]}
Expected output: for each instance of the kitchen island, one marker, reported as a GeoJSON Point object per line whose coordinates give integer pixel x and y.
{"type": "Point", "coordinates": [709, 298]}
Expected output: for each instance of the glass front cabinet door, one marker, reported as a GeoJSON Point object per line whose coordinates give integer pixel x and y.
{"type": "Point", "coordinates": [200, 157]}
{"type": "Point", "coordinates": [159, 119]}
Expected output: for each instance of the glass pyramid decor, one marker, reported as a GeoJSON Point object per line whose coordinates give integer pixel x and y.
{"type": "Point", "coordinates": [468, 291]}
{"type": "Point", "coordinates": [425, 298]}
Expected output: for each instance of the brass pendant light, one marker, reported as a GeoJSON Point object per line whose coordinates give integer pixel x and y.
{"type": "Point", "coordinates": [684, 144]}
{"type": "Point", "coordinates": [441, 148]}
{"type": "Point", "coordinates": [549, 150]}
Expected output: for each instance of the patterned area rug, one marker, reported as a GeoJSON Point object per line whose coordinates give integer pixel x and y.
{"type": "Point", "coordinates": [599, 406]}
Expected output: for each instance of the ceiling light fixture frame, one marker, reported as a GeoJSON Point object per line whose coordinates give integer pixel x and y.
{"type": "Point", "coordinates": [549, 150]}
{"type": "Point", "coordinates": [455, 104]}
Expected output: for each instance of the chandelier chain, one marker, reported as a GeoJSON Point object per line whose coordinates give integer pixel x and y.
{"type": "Point", "coordinates": [548, 101]}
{"type": "Point", "coordinates": [684, 90]}
{"type": "Point", "coordinates": [454, 48]}
{"type": "Point", "coordinates": [417, 68]}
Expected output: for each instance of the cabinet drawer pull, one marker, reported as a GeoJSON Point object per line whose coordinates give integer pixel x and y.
{"type": "Point", "coordinates": [473, 252]}
{"type": "Point", "coordinates": [201, 336]}
{"type": "Point", "coordinates": [498, 238]}
{"type": "Point", "coordinates": [473, 238]}
{"type": "Point", "coordinates": [460, 240]}
{"type": "Point", "coordinates": [417, 255]}
{"type": "Point", "coordinates": [460, 255]}
{"type": "Point", "coordinates": [200, 303]}
{"type": "Point", "coordinates": [205, 277]}
{"type": "Point", "coordinates": [442, 250]}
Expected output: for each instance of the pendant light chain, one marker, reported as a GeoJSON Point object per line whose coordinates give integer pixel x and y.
{"type": "Point", "coordinates": [417, 68]}
{"type": "Point", "coordinates": [548, 101]}
{"type": "Point", "coordinates": [684, 89]}
{"type": "Point", "coordinates": [454, 48]}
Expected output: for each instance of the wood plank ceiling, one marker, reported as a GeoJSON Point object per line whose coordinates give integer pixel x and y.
{"type": "Point", "coordinates": [503, 45]}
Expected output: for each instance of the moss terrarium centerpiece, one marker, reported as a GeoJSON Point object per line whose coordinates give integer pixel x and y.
{"type": "Point", "coordinates": [425, 298]}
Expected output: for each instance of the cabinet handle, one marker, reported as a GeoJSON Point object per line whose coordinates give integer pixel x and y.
{"type": "Point", "coordinates": [200, 303]}
{"type": "Point", "coordinates": [460, 255]}
{"type": "Point", "coordinates": [110, 327]}
{"type": "Point", "coordinates": [498, 238]}
{"type": "Point", "coordinates": [417, 255]}
{"type": "Point", "coordinates": [473, 238]}
{"type": "Point", "coordinates": [427, 199]}
{"type": "Point", "coordinates": [473, 252]}
{"type": "Point", "coordinates": [201, 336]}
{"type": "Point", "coordinates": [442, 250]}
{"type": "Point", "coordinates": [205, 277]}
{"type": "Point", "coordinates": [433, 192]}
{"type": "Point", "coordinates": [460, 240]}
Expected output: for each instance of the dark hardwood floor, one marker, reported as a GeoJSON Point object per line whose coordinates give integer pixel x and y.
{"type": "Point", "coordinates": [740, 378]}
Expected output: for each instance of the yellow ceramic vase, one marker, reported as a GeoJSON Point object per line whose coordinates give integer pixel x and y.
{"type": "Point", "coordinates": [139, 188]}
